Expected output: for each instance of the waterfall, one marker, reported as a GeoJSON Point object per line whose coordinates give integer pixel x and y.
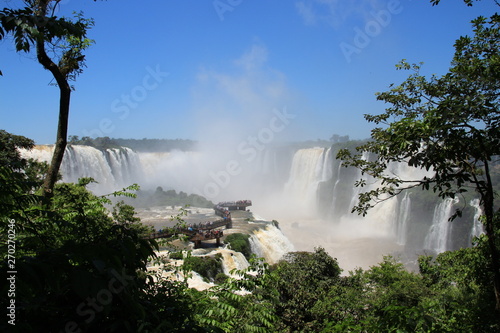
{"type": "Point", "coordinates": [232, 260]}
{"type": "Point", "coordinates": [358, 190]}
{"type": "Point", "coordinates": [270, 243]}
{"type": "Point", "coordinates": [112, 169]}
{"type": "Point", "coordinates": [402, 222]}
{"type": "Point", "coordinates": [305, 174]}
{"type": "Point", "coordinates": [477, 226]}
{"type": "Point", "coordinates": [438, 236]}
{"type": "Point", "coordinates": [303, 186]}
{"type": "Point", "coordinates": [326, 168]}
{"type": "Point", "coordinates": [332, 211]}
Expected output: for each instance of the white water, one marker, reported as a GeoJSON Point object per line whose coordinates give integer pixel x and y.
{"type": "Point", "coordinates": [438, 236]}
{"type": "Point", "coordinates": [477, 227]}
{"type": "Point", "coordinates": [402, 226]}
{"type": "Point", "coordinates": [232, 260]}
{"type": "Point", "coordinates": [290, 196]}
{"type": "Point", "coordinates": [270, 244]}
{"type": "Point", "coordinates": [112, 169]}
{"type": "Point", "coordinates": [386, 227]}
{"type": "Point", "coordinates": [305, 174]}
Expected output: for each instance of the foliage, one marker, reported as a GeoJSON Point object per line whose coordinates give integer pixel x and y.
{"type": "Point", "coordinates": [35, 26]}
{"type": "Point", "coordinates": [388, 298]}
{"type": "Point", "coordinates": [449, 126]}
{"type": "Point", "coordinates": [31, 24]}
{"type": "Point", "coordinates": [394, 298]}
{"type": "Point", "coordinates": [9, 153]}
{"type": "Point", "coordinates": [124, 214]}
{"type": "Point", "coordinates": [159, 197]}
{"type": "Point", "coordinates": [26, 27]}
{"type": "Point", "coordinates": [335, 138]}
{"type": "Point", "coordinates": [462, 282]}
{"type": "Point", "coordinates": [206, 266]}
{"type": "Point", "coordinates": [467, 2]}
{"type": "Point", "coordinates": [301, 279]}
{"type": "Point", "coordinates": [344, 307]}
{"type": "Point", "coordinates": [430, 124]}
{"type": "Point", "coordinates": [143, 145]}
{"type": "Point", "coordinates": [240, 304]}
{"type": "Point", "coordinates": [172, 307]}
{"type": "Point", "coordinates": [80, 267]}
{"type": "Point", "coordinates": [240, 243]}
{"type": "Point", "coordinates": [176, 255]}
{"type": "Point", "coordinates": [70, 252]}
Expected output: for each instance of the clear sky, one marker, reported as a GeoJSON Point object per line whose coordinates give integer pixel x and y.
{"type": "Point", "coordinates": [199, 69]}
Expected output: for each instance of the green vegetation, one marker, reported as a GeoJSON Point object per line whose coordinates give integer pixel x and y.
{"type": "Point", "coordinates": [449, 125]}
{"type": "Point", "coordinates": [301, 279]}
{"type": "Point", "coordinates": [59, 43]}
{"type": "Point", "coordinates": [208, 266]}
{"type": "Point", "coordinates": [239, 243]}
{"type": "Point", "coordinates": [142, 145]}
{"type": "Point", "coordinates": [176, 255]}
{"type": "Point", "coordinates": [159, 197]}
{"type": "Point", "coordinates": [82, 267]}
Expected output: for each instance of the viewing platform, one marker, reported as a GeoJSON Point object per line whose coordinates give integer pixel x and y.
{"type": "Point", "coordinates": [198, 232]}
{"type": "Point", "coordinates": [223, 208]}
{"type": "Point", "coordinates": [202, 231]}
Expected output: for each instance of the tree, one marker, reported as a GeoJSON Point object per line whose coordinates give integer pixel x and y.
{"type": "Point", "coordinates": [458, 285]}
{"type": "Point", "coordinates": [449, 125]}
{"type": "Point", "coordinates": [467, 2]}
{"type": "Point", "coordinates": [9, 153]}
{"type": "Point", "coordinates": [36, 26]}
{"type": "Point", "coordinates": [301, 280]}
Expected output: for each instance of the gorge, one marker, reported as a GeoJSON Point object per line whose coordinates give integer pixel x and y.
{"type": "Point", "coordinates": [307, 190]}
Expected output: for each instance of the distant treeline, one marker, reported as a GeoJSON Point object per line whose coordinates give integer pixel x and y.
{"type": "Point", "coordinates": [140, 145]}
{"type": "Point", "coordinates": [159, 197]}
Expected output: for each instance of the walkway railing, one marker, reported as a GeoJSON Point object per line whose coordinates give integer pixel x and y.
{"type": "Point", "coordinates": [191, 231]}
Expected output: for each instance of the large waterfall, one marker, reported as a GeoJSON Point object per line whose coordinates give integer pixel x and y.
{"type": "Point", "coordinates": [307, 190]}
{"type": "Point", "coordinates": [112, 169]}
{"type": "Point", "coordinates": [305, 174]}
{"type": "Point", "coordinates": [402, 219]}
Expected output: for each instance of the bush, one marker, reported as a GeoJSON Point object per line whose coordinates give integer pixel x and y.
{"type": "Point", "coordinates": [240, 243]}
{"type": "Point", "coordinates": [221, 278]}
{"type": "Point", "coordinates": [207, 267]}
{"type": "Point", "coordinates": [176, 255]}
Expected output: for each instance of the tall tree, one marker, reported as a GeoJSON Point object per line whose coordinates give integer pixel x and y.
{"type": "Point", "coordinates": [449, 125]}
{"type": "Point", "coordinates": [36, 26]}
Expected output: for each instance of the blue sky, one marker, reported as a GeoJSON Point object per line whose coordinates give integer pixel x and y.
{"type": "Point", "coordinates": [196, 69]}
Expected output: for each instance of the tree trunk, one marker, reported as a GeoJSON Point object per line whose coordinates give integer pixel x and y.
{"type": "Point", "coordinates": [495, 257]}
{"type": "Point", "coordinates": [61, 141]}
{"type": "Point", "coordinates": [488, 197]}
{"type": "Point", "coordinates": [64, 102]}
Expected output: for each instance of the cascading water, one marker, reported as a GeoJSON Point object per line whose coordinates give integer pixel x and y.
{"type": "Point", "coordinates": [477, 227]}
{"type": "Point", "coordinates": [405, 221]}
{"type": "Point", "coordinates": [112, 169]}
{"type": "Point", "coordinates": [232, 260]}
{"type": "Point", "coordinates": [326, 170]}
{"type": "Point", "coordinates": [402, 223]}
{"type": "Point", "coordinates": [438, 236]}
{"type": "Point", "coordinates": [305, 186]}
{"type": "Point", "coordinates": [270, 243]}
{"type": "Point", "coordinates": [305, 174]}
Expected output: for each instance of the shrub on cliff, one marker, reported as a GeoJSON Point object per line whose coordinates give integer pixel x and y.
{"type": "Point", "coordinates": [240, 243]}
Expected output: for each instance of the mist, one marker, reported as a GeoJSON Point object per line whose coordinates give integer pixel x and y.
{"type": "Point", "coordinates": [245, 121]}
